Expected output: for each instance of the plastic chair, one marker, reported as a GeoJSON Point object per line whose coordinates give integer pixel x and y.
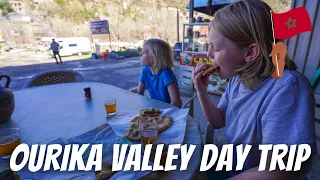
{"type": "Point", "coordinates": [315, 79]}
{"type": "Point", "coordinates": [186, 88]}
{"type": "Point", "coordinates": [53, 77]}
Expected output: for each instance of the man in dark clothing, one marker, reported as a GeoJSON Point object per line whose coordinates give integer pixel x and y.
{"type": "Point", "coordinates": [55, 47]}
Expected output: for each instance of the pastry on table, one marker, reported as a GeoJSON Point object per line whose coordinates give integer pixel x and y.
{"type": "Point", "coordinates": [150, 115]}
{"type": "Point", "coordinates": [221, 88]}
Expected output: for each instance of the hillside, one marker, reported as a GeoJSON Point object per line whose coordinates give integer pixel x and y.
{"type": "Point", "coordinates": [129, 20]}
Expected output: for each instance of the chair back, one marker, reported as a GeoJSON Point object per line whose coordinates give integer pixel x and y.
{"type": "Point", "coordinates": [53, 77]}
{"type": "Point", "coordinates": [184, 79]}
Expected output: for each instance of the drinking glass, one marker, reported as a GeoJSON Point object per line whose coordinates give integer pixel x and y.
{"type": "Point", "coordinates": [9, 140]}
{"type": "Point", "coordinates": [148, 131]}
{"type": "Point", "coordinates": [154, 143]}
{"type": "Point", "coordinates": [110, 106]}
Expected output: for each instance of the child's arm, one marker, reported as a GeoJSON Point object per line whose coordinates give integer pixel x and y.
{"type": "Point", "coordinates": [215, 115]}
{"type": "Point", "coordinates": [174, 95]}
{"type": "Point", "coordinates": [141, 88]}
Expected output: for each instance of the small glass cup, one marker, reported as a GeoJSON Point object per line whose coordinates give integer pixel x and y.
{"type": "Point", "coordinates": [148, 131]}
{"type": "Point", "coordinates": [9, 140]}
{"type": "Point", "coordinates": [154, 143]}
{"type": "Point", "coordinates": [110, 106]}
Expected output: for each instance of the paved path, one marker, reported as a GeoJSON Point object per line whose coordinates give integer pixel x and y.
{"type": "Point", "coordinates": [122, 73]}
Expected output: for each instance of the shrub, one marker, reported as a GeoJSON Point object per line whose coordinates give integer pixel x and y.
{"type": "Point", "coordinates": [61, 2]}
{"type": "Point", "coordinates": [5, 8]}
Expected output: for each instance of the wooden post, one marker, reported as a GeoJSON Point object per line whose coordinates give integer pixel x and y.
{"type": "Point", "coordinates": [274, 43]}
{"type": "Point", "coordinates": [110, 41]}
{"type": "Point", "coordinates": [92, 43]}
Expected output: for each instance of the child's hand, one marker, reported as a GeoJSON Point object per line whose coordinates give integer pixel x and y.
{"type": "Point", "coordinates": [200, 80]}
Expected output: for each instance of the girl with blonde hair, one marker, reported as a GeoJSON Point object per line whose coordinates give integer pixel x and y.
{"type": "Point", "coordinates": [156, 75]}
{"type": "Point", "coordinates": [255, 108]}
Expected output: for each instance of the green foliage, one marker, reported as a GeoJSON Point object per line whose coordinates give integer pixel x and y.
{"type": "Point", "coordinates": [5, 8]}
{"type": "Point", "coordinates": [78, 13]}
{"type": "Point", "coordinates": [83, 2]}
{"type": "Point", "coordinates": [105, 12]}
{"type": "Point", "coordinates": [158, 5]}
{"type": "Point", "coordinates": [127, 53]}
{"type": "Point", "coordinates": [127, 12]}
{"type": "Point", "coordinates": [0, 48]}
{"type": "Point", "coordinates": [61, 2]}
{"type": "Point", "coordinates": [32, 7]}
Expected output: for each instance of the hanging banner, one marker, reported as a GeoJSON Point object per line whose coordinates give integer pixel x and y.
{"type": "Point", "coordinates": [99, 27]}
{"type": "Point", "coordinates": [190, 59]}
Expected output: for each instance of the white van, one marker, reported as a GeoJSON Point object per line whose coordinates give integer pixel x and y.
{"type": "Point", "coordinates": [73, 46]}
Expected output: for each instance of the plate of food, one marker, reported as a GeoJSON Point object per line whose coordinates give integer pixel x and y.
{"type": "Point", "coordinates": [171, 124]}
{"type": "Point", "coordinates": [214, 80]}
{"type": "Point", "coordinates": [146, 116]}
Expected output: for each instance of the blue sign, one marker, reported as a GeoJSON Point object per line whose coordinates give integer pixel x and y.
{"type": "Point", "coordinates": [99, 27]}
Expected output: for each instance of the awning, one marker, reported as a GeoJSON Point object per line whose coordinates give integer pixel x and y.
{"type": "Point", "coordinates": [203, 6]}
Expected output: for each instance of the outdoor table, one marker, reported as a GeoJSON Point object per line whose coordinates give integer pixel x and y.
{"type": "Point", "coordinates": [46, 113]}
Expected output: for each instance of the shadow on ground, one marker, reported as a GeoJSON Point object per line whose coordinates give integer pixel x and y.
{"type": "Point", "coordinates": [122, 73]}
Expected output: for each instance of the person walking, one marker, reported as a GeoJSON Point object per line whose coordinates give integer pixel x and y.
{"type": "Point", "coordinates": [55, 47]}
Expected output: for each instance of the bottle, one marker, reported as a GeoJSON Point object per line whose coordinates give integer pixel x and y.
{"type": "Point", "coordinates": [87, 91]}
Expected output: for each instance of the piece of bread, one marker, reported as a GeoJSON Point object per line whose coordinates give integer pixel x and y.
{"type": "Point", "coordinates": [133, 132]}
{"type": "Point", "coordinates": [164, 123]}
{"type": "Point", "coordinates": [150, 112]}
{"type": "Point", "coordinates": [135, 119]}
{"type": "Point", "coordinates": [150, 115]}
{"type": "Point", "coordinates": [213, 69]}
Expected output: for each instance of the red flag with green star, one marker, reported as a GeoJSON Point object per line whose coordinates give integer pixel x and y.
{"type": "Point", "coordinates": [291, 23]}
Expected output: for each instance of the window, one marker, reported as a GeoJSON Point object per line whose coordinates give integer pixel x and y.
{"type": "Point", "coordinates": [73, 45]}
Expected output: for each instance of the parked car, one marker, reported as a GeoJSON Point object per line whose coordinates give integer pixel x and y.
{"type": "Point", "coordinates": [14, 50]}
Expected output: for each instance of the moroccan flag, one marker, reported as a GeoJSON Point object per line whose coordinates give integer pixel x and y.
{"type": "Point", "coordinates": [291, 23]}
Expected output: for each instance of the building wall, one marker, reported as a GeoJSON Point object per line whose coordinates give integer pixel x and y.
{"type": "Point", "coordinates": [18, 6]}
{"type": "Point", "coordinates": [304, 48]}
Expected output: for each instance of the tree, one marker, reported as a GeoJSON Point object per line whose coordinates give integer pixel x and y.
{"type": "Point", "coordinates": [5, 8]}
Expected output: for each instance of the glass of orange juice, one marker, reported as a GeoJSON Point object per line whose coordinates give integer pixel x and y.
{"type": "Point", "coordinates": [110, 106]}
{"type": "Point", "coordinates": [148, 131]}
{"type": "Point", "coordinates": [9, 140]}
{"type": "Point", "coordinates": [154, 148]}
